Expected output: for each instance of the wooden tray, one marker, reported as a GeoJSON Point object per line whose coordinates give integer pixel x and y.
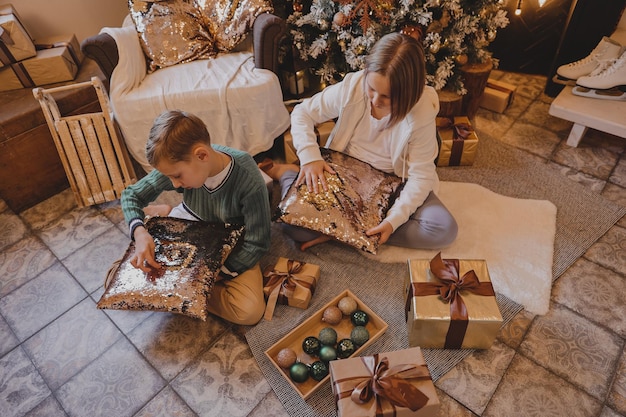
{"type": "Point", "coordinates": [311, 327]}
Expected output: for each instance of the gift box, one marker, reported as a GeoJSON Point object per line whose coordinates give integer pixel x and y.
{"type": "Point", "coordinates": [459, 141]}
{"type": "Point", "coordinates": [322, 131]}
{"type": "Point", "coordinates": [450, 303]}
{"type": "Point", "coordinates": [59, 41]}
{"type": "Point", "coordinates": [15, 42]}
{"type": "Point", "coordinates": [289, 282]}
{"type": "Point", "coordinates": [497, 96]}
{"type": "Point", "coordinates": [395, 383]}
{"type": "Point", "coordinates": [49, 66]}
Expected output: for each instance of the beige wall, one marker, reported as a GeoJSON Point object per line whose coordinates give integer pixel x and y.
{"type": "Point", "coordinates": [81, 17]}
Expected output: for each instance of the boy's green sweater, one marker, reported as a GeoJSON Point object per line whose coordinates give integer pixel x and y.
{"type": "Point", "coordinates": [241, 199]}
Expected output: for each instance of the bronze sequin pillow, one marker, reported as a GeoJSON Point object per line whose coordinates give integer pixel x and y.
{"type": "Point", "coordinates": [192, 254]}
{"type": "Point", "coordinates": [231, 20]}
{"type": "Point", "coordinates": [357, 199]}
{"type": "Point", "coordinates": [171, 32]}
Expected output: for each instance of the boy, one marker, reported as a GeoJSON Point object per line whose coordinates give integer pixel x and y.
{"type": "Point", "coordinates": [219, 184]}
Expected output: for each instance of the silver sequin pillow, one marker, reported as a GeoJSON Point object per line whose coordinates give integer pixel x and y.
{"type": "Point", "coordinates": [192, 254]}
{"type": "Point", "coordinates": [357, 199]}
{"type": "Point", "coordinates": [171, 32]}
{"type": "Point", "coordinates": [231, 20]}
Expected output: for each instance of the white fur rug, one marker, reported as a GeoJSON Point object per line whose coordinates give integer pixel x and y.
{"type": "Point", "coordinates": [515, 237]}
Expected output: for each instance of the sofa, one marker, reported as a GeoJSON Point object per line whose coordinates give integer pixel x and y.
{"type": "Point", "coordinates": [237, 93]}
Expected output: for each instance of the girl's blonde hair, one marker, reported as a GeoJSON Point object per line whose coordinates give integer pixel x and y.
{"type": "Point", "coordinates": [400, 58]}
{"type": "Point", "coordinates": [172, 136]}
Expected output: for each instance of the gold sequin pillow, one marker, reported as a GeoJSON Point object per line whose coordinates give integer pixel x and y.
{"type": "Point", "coordinates": [171, 32]}
{"type": "Point", "coordinates": [357, 199]}
{"type": "Point", "coordinates": [231, 20]}
{"type": "Point", "coordinates": [192, 254]}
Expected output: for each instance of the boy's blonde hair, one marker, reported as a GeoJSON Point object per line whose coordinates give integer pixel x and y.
{"type": "Point", "coordinates": [172, 136]}
{"type": "Point", "coordinates": [401, 59]}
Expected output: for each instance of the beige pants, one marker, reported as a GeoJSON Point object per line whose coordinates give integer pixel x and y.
{"type": "Point", "coordinates": [239, 300]}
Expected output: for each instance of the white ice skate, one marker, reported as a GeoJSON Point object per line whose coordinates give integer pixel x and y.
{"type": "Point", "coordinates": [602, 55]}
{"type": "Point", "coordinates": [608, 84]}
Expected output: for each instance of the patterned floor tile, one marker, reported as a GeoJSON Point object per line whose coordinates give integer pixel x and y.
{"type": "Point", "coordinates": [73, 230]}
{"type": "Point", "coordinates": [270, 405]}
{"type": "Point", "coordinates": [225, 381]}
{"type": "Point", "coordinates": [573, 348]}
{"type": "Point", "coordinates": [474, 380]}
{"type": "Point", "coordinates": [71, 342]}
{"type": "Point", "coordinates": [90, 264]}
{"type": "Point", "coordinates": [495, 124]}
{"type": "Point", "coordinates": [539, 393]}
{"type": "Point", "coordinates": [166, 404]}
{"type": "Point", "coordinates": [13, 229]}
{"type": "Point", "coordinates": [171, 341]}
{"type": "Point", "coordinates": [617, 394]}
{"type": "Point", "coordinates": [21, 386]}
{"type": "Point", "coordinates": [41, 300]}
{"type": "Point", "coordinates": [590, 182]}
{"type": "Point", "coordinates": [618, 176]}
{"type": "Point", "coordinates": [616, 194]}
{"type": "Point", "coordinates": [594, 292]}
{"type": "Point", "coordinates": [603, 140]}
{"type": "Point", "coordinates": [22, 262]}
{"type": "Point", "coordinates": [8, 341]}
{"type": "Point", "coordinates": [610, 250]}
{"type": "Point", "coordinates": [126, 320]}
{"type": "Point", "coordinates": [528, 85]}
{"type": "Point", "coordinates": [607, 412]}
{"type": "Point", "coordinates": [532, 139]}
{"type": "Point", "coordinates": [49, 407]}
{"type": "Point", "coordinates": [112, 210]}
{"type": "Point", "coordinates": [119, 383]}
{"type": "Point", "coordinates": [537, 114]}
{"type": "Point", "coordinates": [449, 407]}
{"type": "Point", "coordinates": [591, 160]}
{"type": "Point", "coordinates": [513, 332]}
{"type": "Point", "coordinates": [50, 209]}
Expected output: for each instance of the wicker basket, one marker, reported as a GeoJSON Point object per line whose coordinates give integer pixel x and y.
{"type": "Point", "coordinates": [95, 160]}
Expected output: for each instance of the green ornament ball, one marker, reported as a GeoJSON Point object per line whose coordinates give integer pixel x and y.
{"type": "Point", "coordinates": [328, 336]}
{"type": "Point", "coordinates": [318, 370]}
{"type": "Point", "coordinates": [359, 335]}
{"type": "Point", "coordinates": [311, 345]}
{"type": "Point", "coordinates": [359, 318]}
{"type": "Point", "coordinates": [327, 353]}
{"type": "Point", "coordinates": [345, 348]}
{"type": "Point", "coordinates": [299, 372]}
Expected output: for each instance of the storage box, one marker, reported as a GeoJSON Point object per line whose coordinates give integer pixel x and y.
{"type": "Point", "coordinates": [497, 96]}
{"type": "Point", "coordinates": [15, 42]}
{"type": "Point", "coordinates": [459, 142]}
{"type": "Point", "coordinates": [59, 41]}
{"type": "Point", "coordinates": [470, 319]}
{"type": "Point", "coordinates": [289, 282]}
{"type": "Point", "coordinates": [322, 131]}
{"type": "Point", "coordinates": [311, 327]}
{"type": "Point", "coordinates": [47, 67]}
{"type": "Point", "coordinates": [394, 383]}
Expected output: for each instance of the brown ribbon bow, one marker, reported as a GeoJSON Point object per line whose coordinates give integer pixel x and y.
{"type": "Point", "coordinates": [279, 286]}
{"type": "Point", "coordinates": [389, 386]}
{"type": "Point", "coordinates": [448, 285]}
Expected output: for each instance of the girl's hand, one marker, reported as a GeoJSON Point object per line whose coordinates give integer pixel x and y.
{"type": "Point", "coordinates": [143, 258]}
{"type": "Point", "coordinates": [313, 175]}
{"type": "Point", "coordinates": [384, 228]}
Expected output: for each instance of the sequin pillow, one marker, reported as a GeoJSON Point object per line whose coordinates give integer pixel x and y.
{"type": "Point", "coordinates": [231, 20]}
{"type": "Point", "coordinates": [357, 199]}
{"type": "Point", "coordinates": [171, 32]}
{"type": "Point", "coordinates": [192, 254]}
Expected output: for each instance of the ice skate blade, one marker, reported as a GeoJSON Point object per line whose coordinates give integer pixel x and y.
{"type": "Point", "coordinates": [611, 94]}
{"type": "Point", "coordinates": [557, 79]}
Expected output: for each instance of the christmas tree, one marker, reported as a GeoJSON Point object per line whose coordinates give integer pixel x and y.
{"type": "Point", "coordinates": [333, 37]}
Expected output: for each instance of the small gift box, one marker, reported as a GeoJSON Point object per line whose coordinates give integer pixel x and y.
{"type": "Point", "coordinates": [459, 141]}
{"type": "Point", "coordinates": [450, 303]}
{"type": "Point", "coordinates": [289, 282]}
{"type": "Point", "coordinates": [15, 42]}
{"type": "Point", "coordinates": [68, 41]}
{"type": "Point", "coordinates": [395, 383]}
{"type": "Point", "coordinates": [497, 96]}
{"type": "Point", "coordinates": [322, 131]}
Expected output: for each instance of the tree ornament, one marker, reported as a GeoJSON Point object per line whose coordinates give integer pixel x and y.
{"type": "Point", "coordinates": [297, 6]}
{"type": "Point", "coordinates": [434, 47]}
{"type": "Point", "coordinates": [461, 59]}
{"type": "Point", "coordinates": [413, 31]}
{"type": "Point", "coordinates": [491, 35]}
{"type": "Point", "coordinates": [323, 24]}
{"type": "Point", "coordinates": [339, 19]}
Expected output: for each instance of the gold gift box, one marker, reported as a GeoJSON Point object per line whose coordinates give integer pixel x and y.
{"type": "Point", "coordinates": [289, 282]}
{"type": "Point", "coordinates": [429, 316]}
{"type": "Point", "coordinates": [322, 131]}
{"type": "Point", "coordinates": [49, 66]}
{"type": "Point", "coordinates": [411, 392]}
{"type": "Point", "coordinates": [497, 96]}
{"type": "Point", "coordinates": [455, 150]}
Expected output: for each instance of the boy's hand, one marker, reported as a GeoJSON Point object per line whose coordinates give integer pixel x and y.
{"type": "Point", "coordinates": [312, 174]}
{"type": "Point", "coordinates": [384, 228]}
{"type": "Point", "coordinates": [143, 258]}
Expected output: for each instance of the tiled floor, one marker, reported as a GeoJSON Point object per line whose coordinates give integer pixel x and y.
{"type": "Point", "coordinates": [59, 355]}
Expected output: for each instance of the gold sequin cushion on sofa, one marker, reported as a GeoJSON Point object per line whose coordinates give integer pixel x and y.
{"type": "Point", "coordinates": [171, 32]}
{"type": "Point", "coordinates": [230, 20]}
{"type": "Point", "coordinates": [192, 254]}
